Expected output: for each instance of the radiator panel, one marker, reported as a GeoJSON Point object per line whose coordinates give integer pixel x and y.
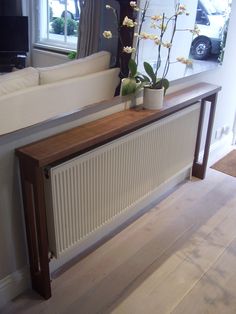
{"type": "Point", "coordinates": [93, 189]}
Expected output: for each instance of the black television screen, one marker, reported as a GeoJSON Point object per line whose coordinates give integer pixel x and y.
{"type": "Point", "coordinates": [14, 34]}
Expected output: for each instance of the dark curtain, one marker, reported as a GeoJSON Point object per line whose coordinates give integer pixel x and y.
{"type": "Point", "coordinates": [10, 7]}
{"type": "Point", "coordinates": [89, 28]}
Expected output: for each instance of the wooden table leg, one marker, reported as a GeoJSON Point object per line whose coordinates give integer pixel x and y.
{"type": "Point", "coordinates": [36, 226]}
{"type": "Point", "coordinates": [199, 169]}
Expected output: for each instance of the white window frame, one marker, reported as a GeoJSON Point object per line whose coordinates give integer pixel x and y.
{"type": "Point", "coordinates": [42, 35]}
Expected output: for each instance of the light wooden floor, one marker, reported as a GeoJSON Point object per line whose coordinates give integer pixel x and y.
{"type": "Point", "coordinates": [178, 258]}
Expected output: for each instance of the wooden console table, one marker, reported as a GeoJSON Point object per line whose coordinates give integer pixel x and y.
{"type": "Point", "coordinates": [36, 157]}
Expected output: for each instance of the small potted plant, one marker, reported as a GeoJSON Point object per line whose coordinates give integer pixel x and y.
{"type": "Point", "coordinates": [153, 80]}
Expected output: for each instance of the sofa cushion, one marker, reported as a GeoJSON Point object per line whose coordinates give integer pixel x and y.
{"type": "Point", "coordinates": [50, 101]}
{"type": "Point", "coordinates": [18, 80]}
{"type": "Point", "coordinates": [94, 63]}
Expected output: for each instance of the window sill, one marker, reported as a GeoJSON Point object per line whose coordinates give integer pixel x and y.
{"type": "Point", "coordinates": [49, 48]}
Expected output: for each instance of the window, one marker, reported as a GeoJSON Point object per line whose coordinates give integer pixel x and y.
{"type": "Point", "coordinates": [57, 22]}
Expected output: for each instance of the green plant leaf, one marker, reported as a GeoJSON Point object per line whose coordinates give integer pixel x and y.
{"type": "Point", "coordinates": [149, 70]}
{"type": "Point", "coordinates": [132, 68]}
{"type": "Point", "coordinates": [165, 84]}
{"type": "Point", "coordinates": [143, 78]}
{"type": "Point", "coordinates": [72, 55]}
{"type": "Point", "coordinates": [128, 86]}
{"type": "Point", "coordinates": [162, 83]}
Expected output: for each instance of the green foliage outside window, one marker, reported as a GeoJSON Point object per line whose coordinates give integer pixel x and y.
{"type": "Point", "coordinates": [58, 26]}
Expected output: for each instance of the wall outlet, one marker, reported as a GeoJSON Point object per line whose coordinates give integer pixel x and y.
{"type": "Point", "coordinates": [226, 129]}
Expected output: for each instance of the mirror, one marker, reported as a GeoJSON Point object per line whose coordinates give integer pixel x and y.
{"type": "Point", "coordinates": [206, 49]}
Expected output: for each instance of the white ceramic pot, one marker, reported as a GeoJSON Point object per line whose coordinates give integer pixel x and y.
{"type": "Point", "coordinates": [153, 98]}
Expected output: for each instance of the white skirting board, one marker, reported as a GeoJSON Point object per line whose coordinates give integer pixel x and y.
{"type": "Point", "coordinates": [13, 285]}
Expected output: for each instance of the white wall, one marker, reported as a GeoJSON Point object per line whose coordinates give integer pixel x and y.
{"type": "Point", "coordinates": [42, 58]}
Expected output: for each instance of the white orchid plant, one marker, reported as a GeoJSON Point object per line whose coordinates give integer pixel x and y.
{"type": "Point", "coordinates": [160, 23]}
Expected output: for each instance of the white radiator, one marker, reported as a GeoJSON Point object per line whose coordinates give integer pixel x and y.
{"type": "Point", "coordinates": [91, 190]}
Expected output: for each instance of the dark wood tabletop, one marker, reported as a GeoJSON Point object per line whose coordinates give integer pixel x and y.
{"type": "Point", "coordinates": [95, 133]}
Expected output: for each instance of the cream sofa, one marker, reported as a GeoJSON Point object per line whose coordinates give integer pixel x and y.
{"type": "Point", "coordinates": [31, 96]}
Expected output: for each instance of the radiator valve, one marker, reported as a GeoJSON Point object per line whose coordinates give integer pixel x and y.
{"type": "Point", "coordinates": [47, 172]}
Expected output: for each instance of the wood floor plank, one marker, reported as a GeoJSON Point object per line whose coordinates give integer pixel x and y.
{"type": "Point", "coordinates": [145, 257]}
{"type": "Point", "coordinates": [215, 292]}
{"type": "Point", "coordinates": [159, 228]}
{"type": "Point", "coordinates": [166, 286]}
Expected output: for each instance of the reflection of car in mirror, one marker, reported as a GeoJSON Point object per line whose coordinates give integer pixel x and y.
{"type": "Point", "coordinates": [210, 22]}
